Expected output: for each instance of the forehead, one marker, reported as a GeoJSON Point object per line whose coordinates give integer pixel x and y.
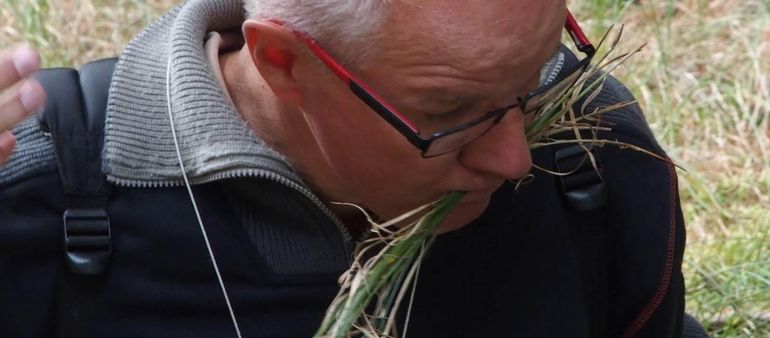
{"type": "Point", "coordinates": [479, 36]}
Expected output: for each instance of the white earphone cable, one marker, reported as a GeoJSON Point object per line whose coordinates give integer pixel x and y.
{"type": "Point", "coordinates": [192, 200]}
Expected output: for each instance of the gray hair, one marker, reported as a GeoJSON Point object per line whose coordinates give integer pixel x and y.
{"type": "Point", "coordinates": [349, 29]}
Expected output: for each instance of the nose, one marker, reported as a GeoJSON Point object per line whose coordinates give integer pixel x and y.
{"type": "Point", "coordinates": [502, 151]}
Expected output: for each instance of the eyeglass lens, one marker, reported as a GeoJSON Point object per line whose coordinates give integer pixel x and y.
{"type": "Point", "coordinates": [452, 141]}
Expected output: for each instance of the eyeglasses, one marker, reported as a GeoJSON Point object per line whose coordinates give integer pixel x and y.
{"type": "Point", "coordinates": [448, 140]}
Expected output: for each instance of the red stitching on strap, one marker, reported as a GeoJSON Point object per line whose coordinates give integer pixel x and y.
{"type": "Point", "coordinates": [652, 306]}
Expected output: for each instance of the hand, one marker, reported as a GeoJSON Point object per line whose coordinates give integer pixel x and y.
{"type": "Point", "coordinates": [20, 96]}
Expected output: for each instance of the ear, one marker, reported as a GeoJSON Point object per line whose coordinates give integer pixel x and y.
{"type": "Point", "coordinates": [274, 51]}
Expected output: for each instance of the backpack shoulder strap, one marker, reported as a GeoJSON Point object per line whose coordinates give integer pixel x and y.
{"type": "Point", "coordinates": [74, 116]}
{"type": "Point", "coordinates": [603, 207]}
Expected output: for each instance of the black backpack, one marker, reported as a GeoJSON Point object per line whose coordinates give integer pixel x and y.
{"type": "Point", "coordinates": [74, 116]}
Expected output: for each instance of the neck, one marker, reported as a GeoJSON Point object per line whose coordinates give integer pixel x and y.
{"type": "Point", "coordinates": [282, 127]}
{"type": "Point", "coordinates": [251, 95]}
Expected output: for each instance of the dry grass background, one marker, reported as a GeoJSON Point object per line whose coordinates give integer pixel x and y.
{"type": "Point", "coordinates": [72, 32]}
{"type": "Point", "coordinates": [703, 80]}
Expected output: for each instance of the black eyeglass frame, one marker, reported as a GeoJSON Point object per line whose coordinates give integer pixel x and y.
{"type": "Point", "coordinates": [411, 132]}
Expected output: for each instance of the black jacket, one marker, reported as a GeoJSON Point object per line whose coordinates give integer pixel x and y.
{"type": "Point", "coordinates": [530, 266]}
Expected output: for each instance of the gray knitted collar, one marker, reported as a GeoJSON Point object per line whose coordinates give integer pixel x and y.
{"type": "Point", "coordinates": [214, 140]}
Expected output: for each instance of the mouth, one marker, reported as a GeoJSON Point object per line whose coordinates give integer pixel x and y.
{"type": "Point", "coordinates": [488, 189]}
{"type": "Point", "coordinates": [477, 196]}
{"type": "Point", "coordinates": [477, 192]}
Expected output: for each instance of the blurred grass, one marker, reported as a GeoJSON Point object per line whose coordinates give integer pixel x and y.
{"type": "Point", "coordinates": [73, 32]}
{"type": "Point", "coordinates": [703, 80]}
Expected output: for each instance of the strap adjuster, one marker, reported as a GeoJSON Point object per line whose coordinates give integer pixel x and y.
{"type": "Point", "coordinates": [583, 186]}
{"type": "Point", "coordinates": [87, 240]}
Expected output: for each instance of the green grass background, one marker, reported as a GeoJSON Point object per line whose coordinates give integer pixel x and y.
{"type": "Point", "coordinates": [703, 80]}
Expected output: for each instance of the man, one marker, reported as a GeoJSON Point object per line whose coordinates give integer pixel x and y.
{"type": "Point", "coordinates": [254, 116]}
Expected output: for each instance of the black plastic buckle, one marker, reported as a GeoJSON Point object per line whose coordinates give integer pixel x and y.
{"type": "Point", "coordinates": [583, 186]}
{"type": "Point", "coordinates": [87, 240]}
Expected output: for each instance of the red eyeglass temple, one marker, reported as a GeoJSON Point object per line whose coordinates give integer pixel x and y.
{"type": "Point", "coordinates": [335, 67]}
{"type": "Point", "coordinates": [349, 79]}
{"type": "Point", "coordinates": [577, 34]}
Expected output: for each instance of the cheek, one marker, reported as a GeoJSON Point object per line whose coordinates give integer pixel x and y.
{"type": "Point", "coordinates": [344, 126]}
{"type": "Point", "coordinates": [372, 164]}
{"type": "Point", "coordinates": [343, 131]}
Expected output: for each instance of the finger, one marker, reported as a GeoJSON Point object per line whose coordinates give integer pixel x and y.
{"type": "Point", "coordinates": [19, 102]}
{"type": "Point", "coordinates": [7, 142]}
{"type": "Point", "coordinates": [16, 64]}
